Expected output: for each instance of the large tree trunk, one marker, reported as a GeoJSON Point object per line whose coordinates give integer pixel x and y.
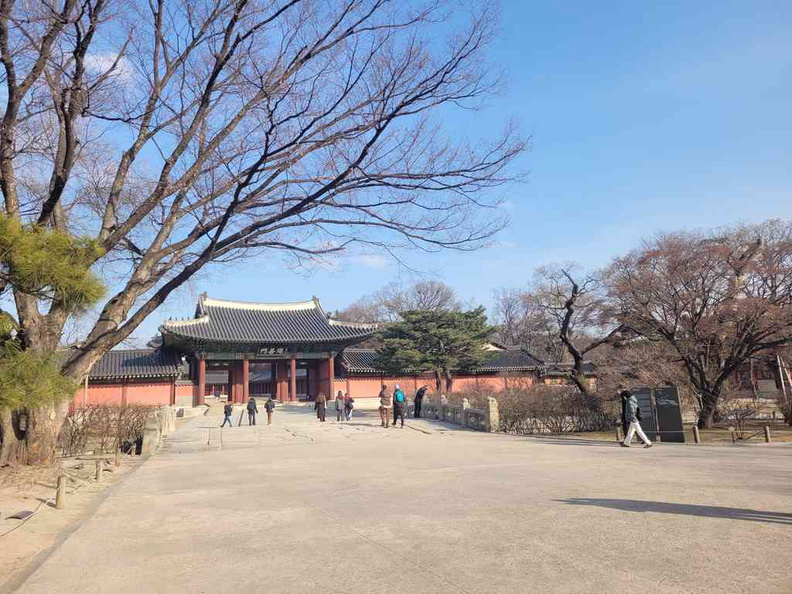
{"type": "Point", "coordinates": [438, 381]}
{"type": "Point", "coordinates": [12, 442]}
{"type": "Point", "coordinates": [449, 380]}
{"type": "Point", "coordinates": [709, 406]}
{"type": "Point", "coordinates": [37, 445]}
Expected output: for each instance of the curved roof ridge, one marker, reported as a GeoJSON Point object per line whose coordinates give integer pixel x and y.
{"type": "Point", "coordinates": [199, 320]}
{"type": "Point", "coordinates": [256, 305]}
{"type": "Point", "coordinates": [361, 325]}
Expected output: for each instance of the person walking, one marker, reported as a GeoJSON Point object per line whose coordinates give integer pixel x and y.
{"type": "Point", "coordinates": [320, 405]}
{"type": "Point", "coordinates": [228, 411]}
{"type": "Point", "coordinates": [399, 405]}
{"type": "Point", "coordinates": [384, 407]}
{"type": "Point", "coordinates": [252, 411]}
{"type": "Point", "coordinates": [632, 415]}
{"type": "Point", "coordinates": [269, 406]}
{"type": "Point", "coordinates": [419, 396]}
{"type": "Point", "coordinates": [339, 406]}
{"type": "Point", "coordinates": [624, 395]}
{"type": "Point", "coordinates": [349, 404]}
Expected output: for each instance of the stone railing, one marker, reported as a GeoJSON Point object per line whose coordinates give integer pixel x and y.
{"type": "Point", "coordinates": [161, 422]}
{"type": "Point", "coordinates": [486, 419]}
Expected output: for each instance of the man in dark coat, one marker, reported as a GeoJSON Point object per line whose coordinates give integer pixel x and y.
{"type": "Point", "coordinates": [419, 396]}
{"type": "Point", "coordinates": [269, 406]}
{"type": "Point", "coordinates": [252, 411]}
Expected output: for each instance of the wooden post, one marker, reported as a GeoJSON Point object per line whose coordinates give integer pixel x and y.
{"type": "Point", "coordinates": [245, 380]}
{"type": "Point", "coordinates": [618, 439]}
{"type": "Point", "coordinates": [696, 436]}
{"type": "Point", "coordinates": [767, 434]}
{"type": "Point", "coordinates": [60, 493]}
{"type": "Point", "coordinates": [331, 377]}
{"type": "Point", "coordinates": [201, 381]}
{"type": "Point", "coordinates": [293, 379]}
{"type": "Point", "coordinates": [99, 469]}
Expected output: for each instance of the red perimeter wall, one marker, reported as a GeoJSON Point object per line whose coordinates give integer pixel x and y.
{"type": "Point", "coordinates": [369, 386]}
{"type": "Point", "coordinates": [152, 393]}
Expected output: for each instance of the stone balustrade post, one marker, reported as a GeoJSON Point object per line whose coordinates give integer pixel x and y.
{"type": "Point", "coordinates": [443, 403]}
{"type": "Point", "coordinates": [151, 434]}
{"type": "Point", "coordinates": [493, 416]}
{"type": "Point", "coordinates": [463, 412]}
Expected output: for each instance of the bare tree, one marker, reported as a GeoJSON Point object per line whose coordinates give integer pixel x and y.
{"type": "Point", "coordinates": [178, 133]}
{"type": "Point", "coordinates": [577, 306]}
{"type": "Point", "coordinates": [717, 299]}
{"type": "Point", "coordinates": [525, 322]}
{"type": "Point", "coordinates": [387, 304]}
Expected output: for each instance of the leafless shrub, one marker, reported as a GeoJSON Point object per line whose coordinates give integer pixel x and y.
{"type": "Point", "coordinates": [544, 409]}
{"type": "Point", "coordinates": [103, 428]}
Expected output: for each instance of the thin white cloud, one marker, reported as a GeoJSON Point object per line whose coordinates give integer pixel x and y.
{"type": "Point", "coordinates": [98, 64]}
{"type": "Point", "coordinates": [377, 261]}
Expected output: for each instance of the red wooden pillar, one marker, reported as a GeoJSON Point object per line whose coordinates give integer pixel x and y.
{"type": "Point", "coordinates": [293, 379]}
{"type": "Point", "coordinates": [331, 377]}
{"type": "Point", "coordinates": [245, 380]}
{"type": "Point", "coordinates": [284, 381]}
{"type": "Point", "coordinates": [201, 381]}
{"type": "Point", "coordinates": [276, 377]}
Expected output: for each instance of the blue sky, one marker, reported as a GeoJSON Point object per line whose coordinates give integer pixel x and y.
{"type": "Point", "coordinates": [643, 117]}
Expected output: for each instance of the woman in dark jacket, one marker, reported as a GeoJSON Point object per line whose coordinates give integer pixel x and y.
{"type": "Point", "coordinates": [321, 407]}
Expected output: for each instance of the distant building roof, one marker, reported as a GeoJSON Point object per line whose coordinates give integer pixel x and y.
{"type": "Point", "coordinates": [554, 369]}
{"type": "Point", "coordinates": [225, 321]}
{"type": "Point", "coordinates": [136, 363]}
{"type": "Point", "coordinates": [362, 361]}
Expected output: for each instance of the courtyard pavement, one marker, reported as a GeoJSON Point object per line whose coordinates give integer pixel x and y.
{"type": "Point", "coordinates": [354, 508]}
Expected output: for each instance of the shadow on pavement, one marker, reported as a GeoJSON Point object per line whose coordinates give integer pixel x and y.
{"type": "Point", "coordinates": [576, 441]}
{"type": "Point", "coordinates": [661, 507]}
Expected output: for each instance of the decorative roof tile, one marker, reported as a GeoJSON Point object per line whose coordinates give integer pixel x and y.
{"type": "Point", "coordinates": [136, 363]}
{"type": "Point", "coordinates": [221, 320]}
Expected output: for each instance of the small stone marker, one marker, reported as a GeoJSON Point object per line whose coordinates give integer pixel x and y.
{"type": "Point", "coordinates": [767, 434]}
{"type": "Point", "coordinates": [696, 436]}
{"type": "Point", "coordinates": [60, 493]}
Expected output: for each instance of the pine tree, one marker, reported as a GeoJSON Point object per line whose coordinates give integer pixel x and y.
{"type": "Point", "coordinates": [437, 341]}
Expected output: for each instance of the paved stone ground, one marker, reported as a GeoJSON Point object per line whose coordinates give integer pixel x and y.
{"type": "Point", "coordinates": [347, 508]}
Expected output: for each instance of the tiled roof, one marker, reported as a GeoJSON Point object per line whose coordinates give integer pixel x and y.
{"type": "Point", "coordinates": [136, 363]}
{"type": "Point", "coordinates": [362, 361]}
{"type": "Point", "coordinates": [510, 360]}
{"type": "Point", "coordinates": [555, 369]}
{"type": "Point", "coordinates": [219, 320]}
{"type": "Point", "coordinates": [359, 360]}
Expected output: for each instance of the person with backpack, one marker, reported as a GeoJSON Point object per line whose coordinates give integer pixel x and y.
{"type": "Point", "coordinates": [269, 406]}
{"type": "Point", "coordinates": [419, 396]}
{"type": "Point", "coordinates": [633, 416]}
{"type": "Point", "coordinates": [252, 411]}
{"type": "Point", "coordinates": [228, 411]}
{"type": "Point", "coordinates": [339, 406]}
{"type": "Point", "coordinates": [399, 405]}
{"type": "Point", "coordinates": [349, 404]}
